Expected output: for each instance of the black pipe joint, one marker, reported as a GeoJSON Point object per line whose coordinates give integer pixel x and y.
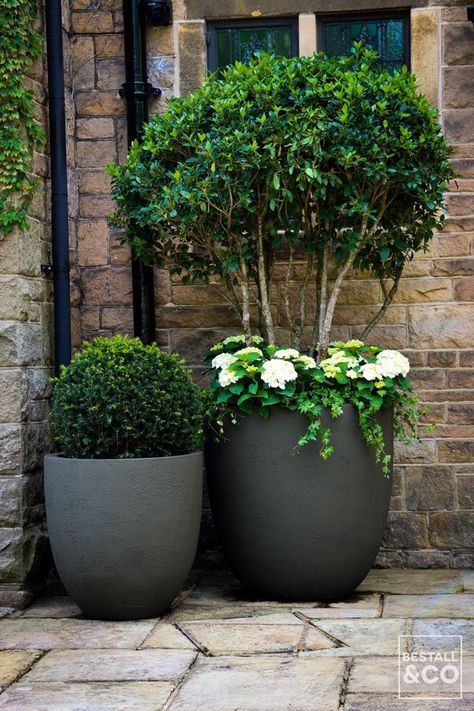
{"type": "Point", "coordinates": [139, 90]}
{"type": "Point", "coordinates": [159, 12]}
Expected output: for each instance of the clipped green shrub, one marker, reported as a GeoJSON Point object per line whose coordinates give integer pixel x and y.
{"type": "Point", "coordinates": [119, 398]}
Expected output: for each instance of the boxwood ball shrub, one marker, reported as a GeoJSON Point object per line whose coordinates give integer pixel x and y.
{"type": "Point", "coordinates": [120, 398]}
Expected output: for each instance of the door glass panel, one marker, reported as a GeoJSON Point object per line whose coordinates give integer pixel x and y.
{"type": "Point", "coordinates": [385, 36]}
{"type": "Point", "coordinates": [239, 44]}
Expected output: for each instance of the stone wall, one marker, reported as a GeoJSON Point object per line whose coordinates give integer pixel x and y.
{"type": "Point", "coordinates": [25, 369]}
{"type": "Point", "coordinates": [432, 319]}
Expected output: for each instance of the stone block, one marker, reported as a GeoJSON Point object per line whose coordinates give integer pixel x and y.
{"type": "Point", "coordinates": [95, 206]}
{"type": "Point", "coordinates": [429, 488]}
{"type": "Point", "coordinates": [161, 71]}
{"type": "Point", "coordinates": [92, 22]}
{"type": "Point", "coordinates": [14, 664]}
{"type": "Point", "coordinates": [458, 87]}
{"type": "Point", "coordinates": [406, 530]}
{"type": "Point", "coordinates": [99, 103]}
{"type": "Point", "coordinates": [459, 125]}
{"type": "Point", "coordinates": [264, 683]}
{"type": "Point", "coordinates": [429, 558]}
{"type": "Point", "coordinates": [11, 555]}
{"type": "Point", "coordinates": [110, 74]}
{"type": "Point", "coordinates": [94, 182]}
{"type": "Point", "coordinates": [463, 378]}
{"type": "Point", "coordinates": [306, 34]}
{"type": "Point", "coordinates": [11, 500]}
{"type": "Point", "coordinates": [192, 55]}
{"type": "Point", "coordinates": [91, 128]}
{"type": "Point", "coordinates": [452, 529]}
{"type": "Point", "coordinates": [454, 267]}
{"type": "Point", "coordinates": [160, 41]}
{"type": "Point", "coordinates": [93, 242]}
{"type": "Point", "coordinates": [465, 486]}
{"type": "Point", "coordinates": [415, 452]}
{"type": "Point", "coordinates": [107, 286]}
{"type": "Point", "coordinates": [464, 289]}
{"type": "Point", "coordinates": [442, 359]}
{"type": "Point", "coordinates": [12, 388]}
{"type": "Point", "coordinates": [103, 696]}
{"type": "Point", "coordinates": [434, 378]}
{"type": "Point", "coordinates": [458, 40]}
{"type": "Point", "coordinates": [456, 451]}
{"type": "Point", "coordinates": [10, 449]}
{"type": "Point", "coordinates": [359, 292]}
{"type": "Point", "coordinates": [444, 326]}
{"type": "Point", "coordinates": [95, 154]}
{"type": "Point", "coordinates": [109, 46]}
{"type": "Point", "coordinates": [197, 317]}
{"type": "Point", "coordinates": [466, 359]}
{"type": "Point", "coordinates": [423, 289]}
{"type": "Point", "coordinates": [117, 318]}
{"type": "Point", "coordinates": [425, 51]}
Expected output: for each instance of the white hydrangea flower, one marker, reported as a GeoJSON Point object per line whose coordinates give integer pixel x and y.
{"type": "Point", "coordinates": [287, 353]}
{"type": "Point", "coordinates": [307, 361]}
{"type": "Point", "coordinates": [277, 373]}
{"type": "Point", "coordinates": [227, 377]}
{"type": "Point", "coordinates": [240, 338]}
{"type": "Point", "coordinates": [352, 374]}
{"type": "Point", "coordinates": [393, 363]}
{"type": "Point", "coordinates": [248, 351]}
{"type": "Point", "coordinates": [223, 360]}
{"type": "Point", "coordinates": [371, 371]}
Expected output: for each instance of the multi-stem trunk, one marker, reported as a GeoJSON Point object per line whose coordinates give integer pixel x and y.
{"type": "Point", "coordinates": [263, 286]}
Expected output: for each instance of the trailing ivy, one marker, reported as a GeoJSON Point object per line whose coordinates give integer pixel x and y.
{"type": "Point", "coordinates": [20, 132]}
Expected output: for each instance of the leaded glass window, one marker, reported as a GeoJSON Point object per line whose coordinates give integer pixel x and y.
{"type": "Point", "coordinates": [386, 34]}
{"type": "Point", "coordinates": [232, 42]}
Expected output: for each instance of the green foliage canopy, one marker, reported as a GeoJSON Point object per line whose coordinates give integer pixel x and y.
{"type": "Point", "coordinates": [121, 399]}
{"type": "Point", "coordinates": [333, 157]}
{"type": "Point", "coordinates": [20, 132]}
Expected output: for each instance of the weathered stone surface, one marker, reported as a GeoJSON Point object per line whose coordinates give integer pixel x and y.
{"type": "Point", "coordinates": [112, 665]}
{"type": "Point", "coordinates": [458, 43]}
{"type": "Point", "coordinates": [225, 638]}
{"type": "Point", "coordinates": [95, 154]}
{"type": "Point", "coordinates": [390, 702]}
{"type": "Point", "coordinates": [11, 500]}
{"type": "Point", "coordinates": [424, 28]}
{"type": "Point", "coordinates": [109, 46]}
{"type": "Point", "coordinates": [58, 607]}
{"type": "Point", "coordinates": [468, 580]}
{"type": "Point", "coordinates": [26, 633]}
{"type": "Point", "coordinates": [441, 627]}
{"type": "Point", "coordinates": [192, 345]}
{"type": "Point", "coordinates": [192, 55]}
{"type": "Point", "coordinates": [459, 125]}
{"type": "Point", "coordinates": [453, 529]}
{"type": "Point", "coordinates": [456, 450]}
{"type": "Point", "coordinates": [99, 103]}
{"type": "Point", "coordinates": [423, 289]}
{"type": "Point", "coordinates": [161, 71]}
{"type": "Point", "coordinates": [160, 41]}
{"type": "Point", "coordinates": [91, 22]}
{"type": "Point", "coordinates": [441, 326]}
{"type": "Point", "coordinates": [166, 636]}
{"type": "Point", "coordinates": [458, 87]}
{"type": "Point", "coordinates": [363, 636]}
{"type": "Point", "coordinates": [264, 684]}
{"type": "Point", "coordinates": [409, 582]}
{"type": "Point", "coordinates": [356, 606]}
{"type": "Point", "coordinates": [429, 488]}
{"type": "Point", "coordinates": [58, 696]}
{"type": "Point", "coordinates": [465, 492]}
{"type": "Point", "coordinates": [460, 605]}
{"type": "Point", "coordinates": [11, 557]}
{"type": "Point", "coordinates": [15, 663]}
{"type": "Point", "coordinates": [110, 74]}
{"type": "Point", "coordinates": [405, 530]}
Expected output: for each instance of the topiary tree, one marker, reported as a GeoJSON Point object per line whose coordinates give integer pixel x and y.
{"type": "Point", "coordinates": [331, 160]}
{"type": "Point", "coordinates": [119, 398]}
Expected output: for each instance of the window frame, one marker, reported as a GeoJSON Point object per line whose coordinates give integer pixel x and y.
{"type": "Point", "coordinates": [212, 27]}
{"type": "Point", "coordinates": [322, 19]}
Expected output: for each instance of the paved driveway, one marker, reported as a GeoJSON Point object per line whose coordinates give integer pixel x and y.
{"type": "Point", "coordinates": [219, 650]}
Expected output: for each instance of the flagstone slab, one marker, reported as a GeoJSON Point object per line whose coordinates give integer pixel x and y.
{"type": "Point", "coordinates": [166, 636]}
{"type": "Point", "coordinates": [226, 638]}
{"type": "Point", "coordinates": [30, 633]}
{"type": "Point", "coordinates": [374, 675]}
{"type": "Point", "coordinates": [390, 702]}
{"type": "Point", "coordinates": [372, 637]}
{"type": "Point", "coordinates": [60, 696]}
{"type": "Point", "coordinates": [468, 580]}
{"type": "Point", "coordinates": [460, 605]}
{"type": "Point", "coordinates": [270, 683]}
{"type": "Point", "coordinates": [205, 612]}
{"type": "Point", "coordinates": [366, 606]}
{"type": "Point", "coordinates": [57, 607]}
{"type": "Point", "coordinates": [15, 663]}
{"type": "Point", "coordinates": [412, 582]}
{"type": "Point", "coordinates": [436, 627]}
{"type": "Point", "coordinates": [112, 665]}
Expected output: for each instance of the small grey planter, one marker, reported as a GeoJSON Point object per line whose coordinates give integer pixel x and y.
{"type": "Point", "coordinates": [293, 526]}
{"type": "Point", "coordinates": [123, 532]}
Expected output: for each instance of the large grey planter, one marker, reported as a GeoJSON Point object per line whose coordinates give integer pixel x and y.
{"type": "Point", "coordinates": [293, 526]}
{"type": "Point", "coordinates": [123, 532]}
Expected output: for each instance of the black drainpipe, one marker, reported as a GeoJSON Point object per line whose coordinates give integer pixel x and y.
{"type": "Point", "coordinates": [136, 91]}
{"type": "Point", "coordinates": [59, 201]}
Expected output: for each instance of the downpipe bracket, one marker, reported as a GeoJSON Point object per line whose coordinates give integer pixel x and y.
{"type": "Point", "coordinates": [139, 90]}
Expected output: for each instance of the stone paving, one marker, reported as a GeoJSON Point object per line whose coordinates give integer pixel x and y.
{"type": "Point", "coordinates": [220, 650]}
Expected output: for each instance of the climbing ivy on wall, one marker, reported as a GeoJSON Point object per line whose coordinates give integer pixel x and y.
{"type": "Point", "coordinates": [20, 132]}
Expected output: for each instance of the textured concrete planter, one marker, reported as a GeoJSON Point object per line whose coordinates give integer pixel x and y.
{"type": "Point", "coordinates": [293, 526]}
{"type": "Point", "coordinates": [123, 532]}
